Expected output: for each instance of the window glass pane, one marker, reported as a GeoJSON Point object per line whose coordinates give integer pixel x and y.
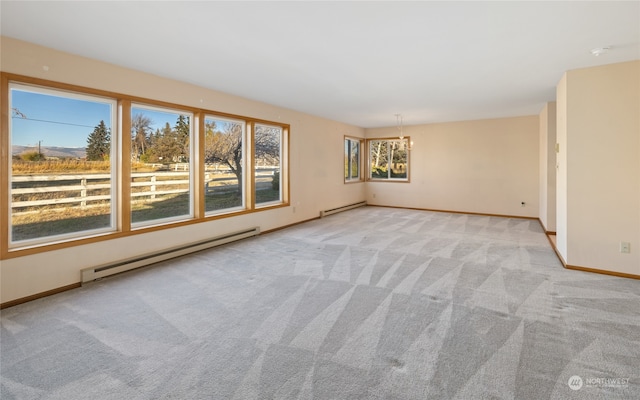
{"type": "Point", "coordinates": [378, 157]}
{"type": "Point", "coordinates": [224, 164]}
{"type": "Point", "coordinates": [61, 166]}
{"type": "Point", "coordinates": [389, 159]}
{"type": "Point", "coordinates": [351, 159]}
{"type": "Point", "coordinates": [399, 152]}
{"type": "Point", "coordinates": [347, 157]}
{"type": "Point", "coordinates": [268, 166]}
{"type": "Point", "coordinates": [161, 173]}
{"type": "Point", "coordinates": [355, 159]}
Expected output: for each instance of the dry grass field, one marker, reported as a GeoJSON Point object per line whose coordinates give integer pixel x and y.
{"type": "Point", "coordinates": [54, 182]}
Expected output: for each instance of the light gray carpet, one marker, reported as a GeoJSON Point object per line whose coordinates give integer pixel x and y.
{"type": "Point", "coordinates": [374, 303]}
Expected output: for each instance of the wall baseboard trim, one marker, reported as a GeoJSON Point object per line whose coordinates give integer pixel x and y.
{"type": "Point", "coordinates": [336, 210]}
{"type": "Point", "coordinates": [456, 212]}
{"type": "Point", "coordinates": [40, 295]}
{"type": "Point", "coordinates": [585, 269]}
{"type": "Point", "coordinates": [552, 243]}
{"type": "Point", "coordinates": [602, 272]}
{"type": "Point", "coordinates": [288, 226]}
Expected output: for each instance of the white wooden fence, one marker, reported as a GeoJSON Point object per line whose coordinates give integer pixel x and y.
{"type": "Point", "coordinates": [158, 184]}
{"type": "Point", "coordinates": [85, 184]}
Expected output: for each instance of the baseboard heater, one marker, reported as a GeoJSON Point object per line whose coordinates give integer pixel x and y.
{"type": "Point", "coordinates": [343, 208]}
{"type": "Point", "coordinates": [91, 274]}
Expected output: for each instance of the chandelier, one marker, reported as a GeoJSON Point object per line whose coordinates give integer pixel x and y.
{"type": "Point", "coordinates": [399, 123]}
{"type": "Point", "coordinates": [400, 126]}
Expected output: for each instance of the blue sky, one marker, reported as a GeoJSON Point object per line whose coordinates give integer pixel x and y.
{"type": "Point", "coordinates": [64, 121]}
{"type": "Point", "coordinates": [55, 121]}
{"type": "Point", "coordinates": [158, 118]}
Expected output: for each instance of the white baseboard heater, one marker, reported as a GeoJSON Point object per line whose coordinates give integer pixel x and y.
{"type": "Point", "coordinates": [343, 208]}
{"type": "Point", "coordinates": [91, 274]}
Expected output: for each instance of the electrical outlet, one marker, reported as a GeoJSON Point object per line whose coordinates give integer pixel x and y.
{"type": "Point", "coordinates": [374, 195]}
{"type": "Point", "coordinates": [625, 247]}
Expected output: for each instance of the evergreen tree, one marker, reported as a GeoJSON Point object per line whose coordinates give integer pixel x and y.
{"type": "Point", "coordinates": [99, 143]}
{"type": "Point", "coordinates": [182, 135]}
{"type": "Point", "coordinates": [166, 146]}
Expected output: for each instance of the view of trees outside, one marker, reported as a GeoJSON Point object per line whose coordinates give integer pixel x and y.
{"type": "Point", "coordinates": [388, 158]}
{"type": "Point", "coordinates": [164, 144]}
{"type": "Point", "coordinates": [62, 171]}
{"type": "Point", "coordinates": [268, 152]}
{"type": "Point", "coordinates": [354, 160]}
{"type": "Point", "coordinates": [161, 163]}
{"type": "Point", "coordinates": [351, 159]}
{"type": "Point", "coordinates": [399, 154]}
{"type": "Point", "coordinates": [99, 143]}
{"type": "Point", "coordinates": [224, 158]}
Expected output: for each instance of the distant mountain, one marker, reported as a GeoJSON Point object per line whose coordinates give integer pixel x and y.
{"type": "Point", "coordinates": [52, 151]}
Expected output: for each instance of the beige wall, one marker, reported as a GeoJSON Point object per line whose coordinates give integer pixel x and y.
{"type": "Point", "coordinates": [316, 180]}
{"type": "Point", "coordinates": [602, 166]}
{"type": "Point", "coordinates": [547, 166]}
{"type": "Point", "coordinates": [562, 232]}
{"type": "Point", "coordinates": [485, 166]}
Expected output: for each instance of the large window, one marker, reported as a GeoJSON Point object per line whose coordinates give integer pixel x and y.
{"type": "Point", "coordinates": [352, 161]}
{"type": "Point", "coordinates": [389, 159]}
{"type": "Point", "coordinates": [62, 170]}
{"type": "Point", "coordinates": [161, 170]}
{"type": "Point", "coordinates": [224, 149]}
{"type": "Point", "coordinates": [267, 144]}
{"type": "Point", "coordinates": [83, 165]}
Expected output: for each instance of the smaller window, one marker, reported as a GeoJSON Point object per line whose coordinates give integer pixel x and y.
{"type": "Point", "coordinates": [352, 163]}
{"type": "Point", "coordinates": [224, 183]}
{"type": "Point", "coordinates": [389, 159]}
{"type": "Point", "coordinates": [268, 148]}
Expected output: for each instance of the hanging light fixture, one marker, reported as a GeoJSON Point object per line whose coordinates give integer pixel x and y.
{"type": "Point", "coordinates": [399, 121]}
{"type": "Point", "coordinates": [400, 127]}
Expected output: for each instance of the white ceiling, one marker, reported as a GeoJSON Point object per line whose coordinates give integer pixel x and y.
{"type": "Point", "coordinates": [356, 62]}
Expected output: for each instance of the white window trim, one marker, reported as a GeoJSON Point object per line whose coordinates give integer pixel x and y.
{"type": "Point", "coordinates": [192, 153]}
{"type": "Point", "coordinates": [389, 178]}
{"type": "Point", "coordinates": [361, 145]}
{"type": "Point", "coordinates": [280, 199]}
{"type": "Point", "coordinates": [114, 194]}
{"type": "Point", "coordinates": [245, 165]}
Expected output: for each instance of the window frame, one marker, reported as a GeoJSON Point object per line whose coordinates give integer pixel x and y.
{"type": "Point", "coordinates": [192, 175]}
{"type": "Point", "coordinates": [389, 178]}
{"type": "Point", "coordinates": [348, 176]}
{"type": "Point", "coordinates": [121, 186]}
{"type": "Point", "coordinates": [283, 175]}
{"type": "Point", "coordinates": [113, 170]}
{"type": "Point", "coordinates": [244, 162]}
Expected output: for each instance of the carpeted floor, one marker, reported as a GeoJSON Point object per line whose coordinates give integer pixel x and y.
{"type": "Point", "coordinates": [373, 303]}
